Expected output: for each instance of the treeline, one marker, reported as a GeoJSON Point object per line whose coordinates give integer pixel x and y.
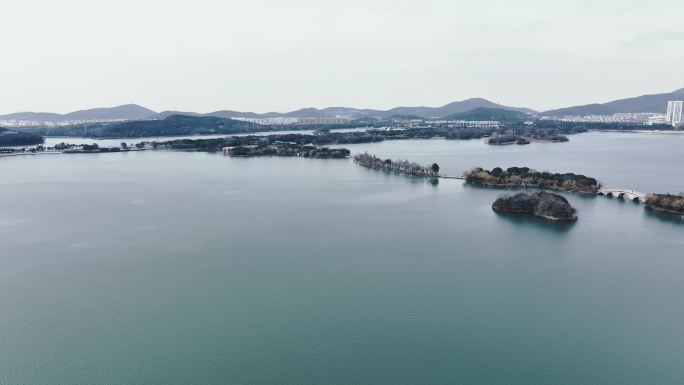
{"type": "Point", "coordinates": [525, 177]}
{"type": "Point", "coordinates": [399, 166]}
{"type": "Point", "coordinates": [292, 150]}
{"type": "Point", "coordinates": [15, 138]}
{"type": "Point", "coordinates": [171, 125]}
{"type": "Point", "coordinates": [180, 125]}
{"type": "Point", "coordinates": [176, 125]}
{"type": "Point", "coordinates": [325, 138]}
{"type": "Point", "coordinates": [487, 113]}
{"type": "Point", "coordinates": [537, 135]}
{"type": "Point", "coordinates": [670, 203]}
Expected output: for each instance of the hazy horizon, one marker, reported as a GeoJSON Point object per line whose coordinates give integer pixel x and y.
{"type": "Point", "coordinates": [268, 55]}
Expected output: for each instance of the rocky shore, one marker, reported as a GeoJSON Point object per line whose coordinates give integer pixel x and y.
{"type": "Point", "coordinates": [526, 177]}
{"type": "Point", "coordinates": [541, 204]}
{"type": "Point", "coordinates": [667, 203]}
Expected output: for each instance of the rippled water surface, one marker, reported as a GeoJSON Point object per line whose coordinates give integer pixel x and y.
{"type": "Point", "coordinates": [192, 268]}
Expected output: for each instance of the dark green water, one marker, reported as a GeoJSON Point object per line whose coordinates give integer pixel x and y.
{"type": "Point", "coordinates": [190, 268]}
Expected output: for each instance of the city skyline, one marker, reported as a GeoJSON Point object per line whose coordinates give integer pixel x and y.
{"type": "Point", "coordinates": [674, 112]}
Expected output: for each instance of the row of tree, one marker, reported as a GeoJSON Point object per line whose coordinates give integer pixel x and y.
{"type": "Point", "coordinates": [289, 150]}
{"type": "Point", "coordinates": [399, 166]}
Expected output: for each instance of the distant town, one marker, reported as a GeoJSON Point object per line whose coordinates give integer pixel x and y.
{"type": "Point", "coordinates": [647, 110]}
{"type": "Point", "coordinates": [674, 117]}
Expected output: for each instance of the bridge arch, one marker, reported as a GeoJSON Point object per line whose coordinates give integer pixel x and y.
{"type": "Point", "coordinates": [623, 194]}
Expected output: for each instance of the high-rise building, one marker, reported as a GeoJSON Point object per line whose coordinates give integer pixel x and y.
{"type": "Point", "coordinates": [674, 113]}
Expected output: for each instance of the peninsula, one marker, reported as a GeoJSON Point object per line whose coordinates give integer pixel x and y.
{"type": "Point", "coordinates": [397, 166]}
{"type": "Point", "coordinates": [527, 137]}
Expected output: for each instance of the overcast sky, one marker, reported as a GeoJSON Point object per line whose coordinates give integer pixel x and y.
{"type": "Point", "coordinates": [278, 55]}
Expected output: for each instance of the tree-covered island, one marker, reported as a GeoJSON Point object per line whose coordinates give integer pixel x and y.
{"type": "Point", "coordinates": [540, 204]}
{"type": "Point", "coordinates": [525, 177]}
{"type": "Point", "coordinates": [327, 138]}
{"type": "Point", "coordinates": [527, 137]}
{"type": "Point", "coordinates": [398, 166]}
{"type": "Point", "coordinates": [667, 203]}
{"type": "Point", "coordinates": [287, 150]}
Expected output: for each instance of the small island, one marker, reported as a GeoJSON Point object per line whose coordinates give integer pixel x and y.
{"type": "Point", "coordinates": [667, 203]}
{"type": "Point", "coordinates": [287, 149]}
{"type": "Point", "coordinates": [541, 204]}
{"type": "Point", "coordinates": [527, 138]}
{"type": "Point", "coordinates": [526, 177]}
{"type": "Point", "coordinates": [398, 166]}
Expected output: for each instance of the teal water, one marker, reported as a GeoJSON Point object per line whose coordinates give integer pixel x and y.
{"type": "Point", "coordinates": [643, 162]}
{"type": "Point", "coordinates": [192, 268]}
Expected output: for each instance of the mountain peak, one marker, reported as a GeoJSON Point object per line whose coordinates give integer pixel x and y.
{"type": "Point", "coordinates": [656, 103]}
{"type": "Point", "coordinates": [125, 111]}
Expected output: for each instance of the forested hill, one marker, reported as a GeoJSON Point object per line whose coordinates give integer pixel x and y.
{"type": "Point", "coordinates": [172, 125]}
{"type": "Point", "coordinates": [177, 125]}
{"type": "Point", "coordinates": [485, 113]}
{"type": "Point", "coordinates": [13, 138]}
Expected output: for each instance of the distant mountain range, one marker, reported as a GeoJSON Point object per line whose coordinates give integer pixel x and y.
{"type": "Point", "coordinates": [127, 112]}
{"type": "Point", "coordinates": [646, 103]}
{"type": "Point", "coordinates": [332, 112]}
{"type": "Point", "coordinates": [136, 112]}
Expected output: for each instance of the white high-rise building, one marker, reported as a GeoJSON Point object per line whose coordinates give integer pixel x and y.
{"type": "Point", "coordinates": [674, 113]}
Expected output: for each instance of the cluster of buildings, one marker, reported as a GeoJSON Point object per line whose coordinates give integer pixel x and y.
{"type": "Point", "coordinates": [468, 123]}
{"type": "Point", "coordinates": [290, 121]}
{"type": "Point", "coordinates": [262, 121]}
{"type": "Point", "coordinates": [674, 113]}
{"type": "Point", "coordinates": [424, 123]}
{"type": "Point", "coordinates": [674, 117]}
{"type": "Point", "coordinates": [49, 123]}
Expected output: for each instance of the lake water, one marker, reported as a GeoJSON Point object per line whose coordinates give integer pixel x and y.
{"type": "Point", "coordinates": [163, 267]}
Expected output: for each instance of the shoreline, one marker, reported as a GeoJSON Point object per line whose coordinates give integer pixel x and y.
{"type": "Point", "coordinates": [642, 132]}
{"type": "Point", "coordinates": [508, 185]}
{"type": "Point", "coordinates": [30, 153]}
{"type": "Point", "coordinates": [525, 213]}
{"type": "Point", "coordinates": [664, 211]}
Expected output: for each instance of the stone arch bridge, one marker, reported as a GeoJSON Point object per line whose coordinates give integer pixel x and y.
{"type": "Point", "coordinates": [631, 195]}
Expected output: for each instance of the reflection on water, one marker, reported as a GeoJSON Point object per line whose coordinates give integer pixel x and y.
{"type": "Point", "coordinates": [646, 163]}
{"type": "Point", "coordinates": [535, 222]}
{"type": "Point", "coordinates": [434, 181]}
{"type": "Point", "coordinates": [664, 216]}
